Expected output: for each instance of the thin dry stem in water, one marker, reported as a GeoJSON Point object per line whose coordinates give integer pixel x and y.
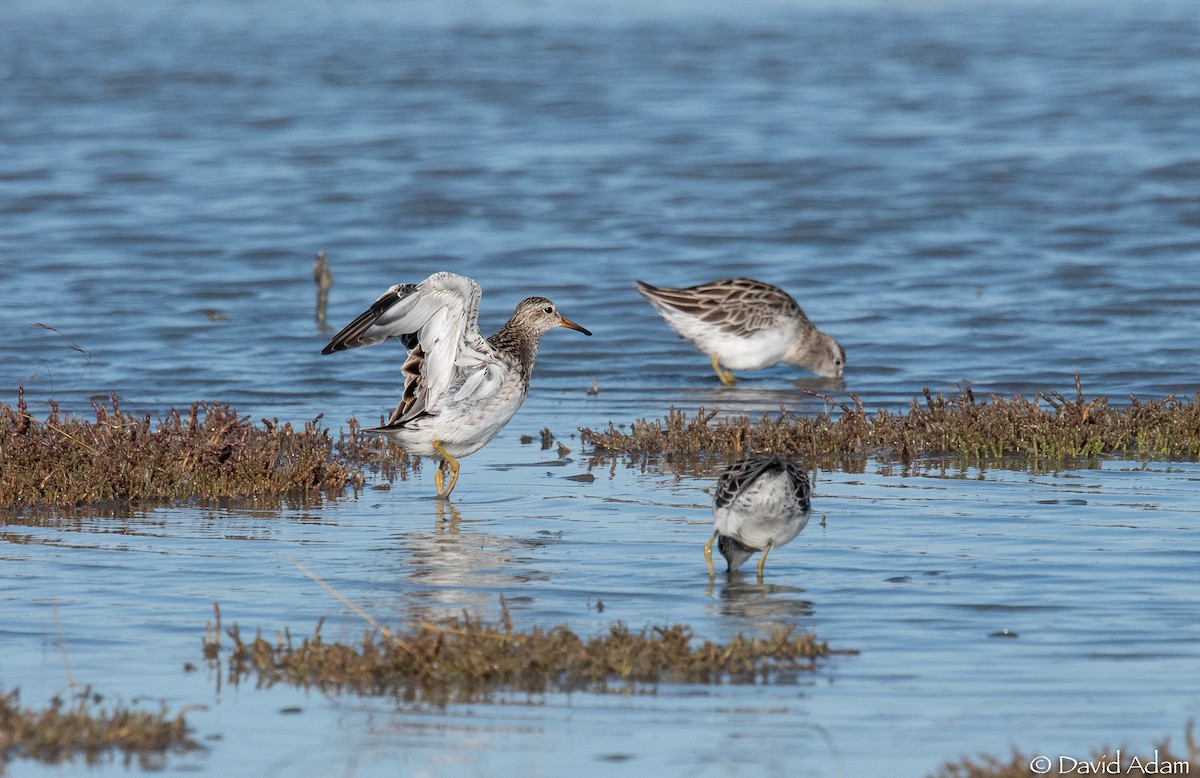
{"type": "Point", "coordinates": [361, 612]}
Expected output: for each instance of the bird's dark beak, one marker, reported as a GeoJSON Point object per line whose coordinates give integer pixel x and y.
{"type": "Point", "coordinates": [565, 322]}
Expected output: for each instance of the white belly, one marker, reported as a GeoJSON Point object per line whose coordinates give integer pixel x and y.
{"type": "Point", "coordinates": [460, 429]}
{"type": "Point", "coordinates": [765, 513]}
{"type": "Point", "coordinates": [752, 351]}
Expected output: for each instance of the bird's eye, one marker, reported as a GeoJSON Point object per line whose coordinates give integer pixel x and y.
{"type": "Point", "coordinates": [548, 309]}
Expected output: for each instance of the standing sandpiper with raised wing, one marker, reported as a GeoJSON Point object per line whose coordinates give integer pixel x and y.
{"type": "Point", "coordinates": [460, 388]}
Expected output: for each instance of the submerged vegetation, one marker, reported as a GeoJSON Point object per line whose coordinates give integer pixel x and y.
{"type": "Point", "coordinates": [61, 733]}
{"type": "Point", "coordinates": [468, 659]}
{"type": "Point", "coordinates": [1048, 429]}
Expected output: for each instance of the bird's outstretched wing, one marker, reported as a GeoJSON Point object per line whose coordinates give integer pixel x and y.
{"type": "Point", "coordinates": [437, 320]}
{"type": "Point", "coordinates": [407, 309]}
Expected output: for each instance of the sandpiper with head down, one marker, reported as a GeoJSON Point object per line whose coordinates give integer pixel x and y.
{"type": "Point", "coordinates": [460, 388]}
{"type": "Point", "coordinates": [742, 324]}
{"type": "Point", "coordinates": [762, 502]}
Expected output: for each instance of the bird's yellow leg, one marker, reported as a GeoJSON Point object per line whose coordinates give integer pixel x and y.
{"type": "Point", "coordinates": [452, 463]}
{"type": "Point", "coordinates": [762, 562]}
{"type": "Point", "coordinates": [708, 554]}
{"type": "Point", "coordinates": [724, 373]}
{"type": "Point", "coordinates": [437, 479]}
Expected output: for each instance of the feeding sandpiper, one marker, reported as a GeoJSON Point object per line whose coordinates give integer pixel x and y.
{"type": "Point", "coordinates": [742, 324]}
{"type": "Point", "coordinates": [762, 502]}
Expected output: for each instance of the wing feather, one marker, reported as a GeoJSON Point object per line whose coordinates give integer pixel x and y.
{"type": "Point", "coordinates": [740, 305]}
{"type": "Point", "coordinates": [740, 474]}
{"type": "Point", "coordinates": [438, 321]}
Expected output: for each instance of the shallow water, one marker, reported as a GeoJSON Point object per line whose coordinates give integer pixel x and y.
{"type": "Point", "coordinates": [1003, 195]}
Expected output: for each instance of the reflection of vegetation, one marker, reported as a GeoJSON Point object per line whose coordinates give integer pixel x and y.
{"type": "Point", "coordinates": [358, 448]}
{"type": "Point", "coordinates": [1047, 430]}
{"type": "Point", "coordinates": [1163, 761]}
{"type": "Point", "coordinates": [208, 452]}
{"type": "Point", "coordinates": [466, 659]}
{"type": "Point", "coordinates": [61, 734]}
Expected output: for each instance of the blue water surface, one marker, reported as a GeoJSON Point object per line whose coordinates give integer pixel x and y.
{"type": "Point", "coordinates": [998, 193]}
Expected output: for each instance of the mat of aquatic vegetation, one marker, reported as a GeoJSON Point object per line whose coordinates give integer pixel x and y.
{"type": "Point", "coordinates": [62, 733]}
{"type": "Point", "coordinates": [467, 659]}
{"type": "Point", "coordinates": [1108, 761]}
{"type": "Point", "coordinates": [209, 451]}
{"type": "Point", "coordinates": [1048, 429]}
{"type": "Point", "coordinates": [213, 452]}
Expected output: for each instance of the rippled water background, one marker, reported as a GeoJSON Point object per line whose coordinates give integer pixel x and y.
{"type": "Point", "coordinates": [1001, 193]}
